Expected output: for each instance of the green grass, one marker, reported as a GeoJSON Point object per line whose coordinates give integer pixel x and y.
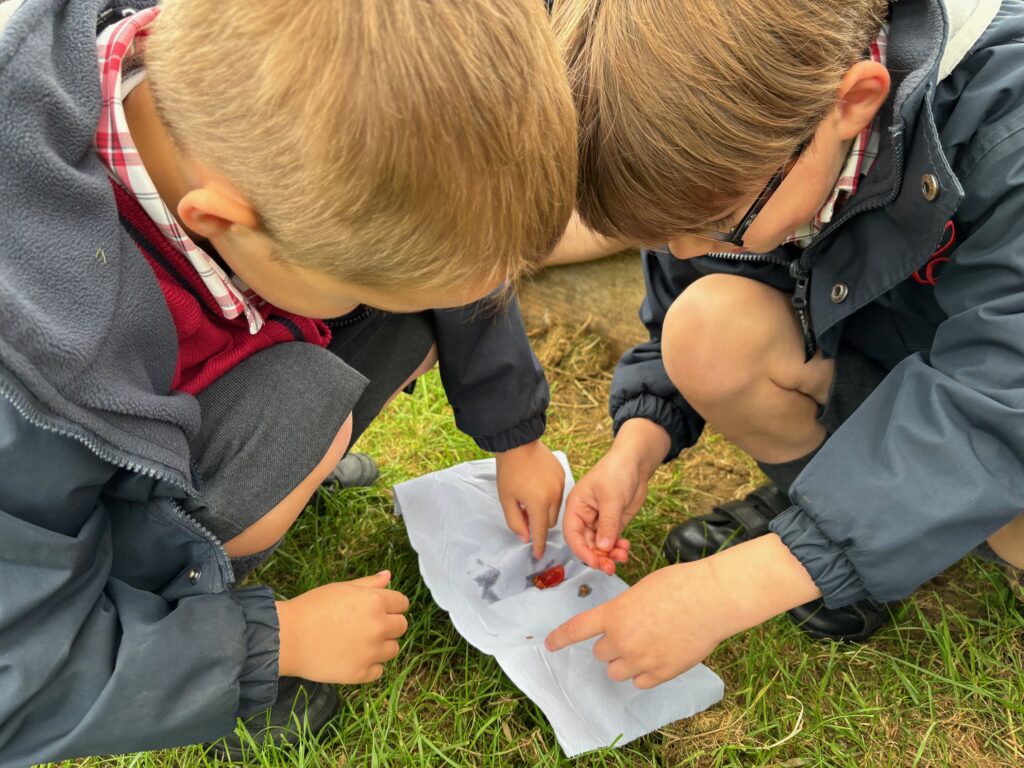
{"type": "Point", "coordinates": [943, 686]}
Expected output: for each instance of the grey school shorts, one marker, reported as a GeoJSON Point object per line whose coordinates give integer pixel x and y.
{"type": "Point", "coordinates": [269, 421]}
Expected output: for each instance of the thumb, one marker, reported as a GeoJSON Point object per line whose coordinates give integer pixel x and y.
{"type": "Point", "coordinates": [377, 580]}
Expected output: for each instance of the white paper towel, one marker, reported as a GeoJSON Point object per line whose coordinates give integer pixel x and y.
{"type": "Point", "coordinates": [481, 573]}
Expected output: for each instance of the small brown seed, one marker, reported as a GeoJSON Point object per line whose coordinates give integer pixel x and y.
{"type": "Point", "coordinates": [584, 590]}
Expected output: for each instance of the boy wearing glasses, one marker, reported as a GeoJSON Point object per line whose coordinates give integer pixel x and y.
{"type": "Point", "coordinates": [841, 188]}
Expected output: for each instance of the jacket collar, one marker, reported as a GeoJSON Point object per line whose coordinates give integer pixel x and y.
{"type": "Point", "coordinates": [876, 252]}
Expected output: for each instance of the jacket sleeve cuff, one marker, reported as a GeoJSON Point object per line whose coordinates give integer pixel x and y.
{"type": "Point", "coordinates": [257, 682]}
{"type": "Point", "coordinates": [662, 412]}
{"type": "Point", "coordinates": [825, 561]}
{"type": "Point", "coordinates": [522, 433]}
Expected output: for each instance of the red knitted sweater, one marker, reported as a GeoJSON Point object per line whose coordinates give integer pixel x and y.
{"type": "Point", "coordinates": [209, 344]}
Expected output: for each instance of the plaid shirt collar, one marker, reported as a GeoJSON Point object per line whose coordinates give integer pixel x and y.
{"type": "Point", "coordinates": [117, 44]}
{"type": "Point", "coordinates": [859, 162]}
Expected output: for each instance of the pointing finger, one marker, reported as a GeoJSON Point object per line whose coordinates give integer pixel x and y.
{"type": "Point", "coordinates": [581, 627]}
{"type": "Point", "coordinates": [539, 530]}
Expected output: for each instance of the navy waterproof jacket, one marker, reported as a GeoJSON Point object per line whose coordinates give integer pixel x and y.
{"type": "Point", "coordinates": [120, 629]}
{"type": "Point", "coordinates": [933, 462]}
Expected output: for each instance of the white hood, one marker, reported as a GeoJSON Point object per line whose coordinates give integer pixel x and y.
{"type": "Point", "coordinates": [968, 19]}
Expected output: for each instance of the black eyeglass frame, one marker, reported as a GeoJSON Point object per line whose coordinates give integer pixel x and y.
{"type": "Point", "coordinates": [734, 236]}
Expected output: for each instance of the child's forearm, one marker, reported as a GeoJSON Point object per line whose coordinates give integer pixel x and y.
{"type": "Point", "coordinates": [756, 581]}
{"type": "Point", "coordinates": [673, 618]}
{"type": "Point", "coordinates": [643, 441]}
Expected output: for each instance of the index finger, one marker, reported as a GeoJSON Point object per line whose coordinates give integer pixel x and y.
{"type": "Point", "coordinates": [580, 627]}
{"type": "Point", "coordinates": [538, 528]}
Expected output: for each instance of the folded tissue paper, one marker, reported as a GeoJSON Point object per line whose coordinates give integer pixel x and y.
{"type": "Point", "coordinates": [484, 577]}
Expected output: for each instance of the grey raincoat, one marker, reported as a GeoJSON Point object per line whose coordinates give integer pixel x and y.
{"type": "Point", "coordinates": [932, 463]}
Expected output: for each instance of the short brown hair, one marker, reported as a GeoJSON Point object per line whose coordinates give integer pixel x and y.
{"type": "Point", "coordinates": [686, 106]}
{"type": "Point", "coordinates": [385, 142]}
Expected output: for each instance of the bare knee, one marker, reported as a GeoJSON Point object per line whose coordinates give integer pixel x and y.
{"type": "Point", "coordinates": [272, 526]}
{"type": "Point", "coordinates": [715, 335]}
{"type": "Point", "coordinates": [334, 454]}
{"type": "Point", "coordinates": [1008, 542]}
{"type": "Point", "coordinates": [428, 362]}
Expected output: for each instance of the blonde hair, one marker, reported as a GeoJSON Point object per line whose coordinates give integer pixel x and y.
{"type": "Point", "coordinates": [385, 142]}
{"type": "Point", "coordinates": [687, 106]}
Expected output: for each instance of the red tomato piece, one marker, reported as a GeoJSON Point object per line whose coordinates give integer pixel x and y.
{"type": "Point", "coordinates": [552, 577]}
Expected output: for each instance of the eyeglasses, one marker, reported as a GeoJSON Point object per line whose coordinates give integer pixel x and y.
{"type": "Point", "coordinates": [734, 235]}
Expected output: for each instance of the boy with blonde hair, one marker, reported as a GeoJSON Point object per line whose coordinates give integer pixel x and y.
{"type": "Point", "coordinates": [189, 190]}
{"type": "Point", "coordinates": [841, 190]}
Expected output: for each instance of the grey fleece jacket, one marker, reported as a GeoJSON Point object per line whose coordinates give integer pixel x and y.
{"type": "Point", "coordinates": [119, 626]}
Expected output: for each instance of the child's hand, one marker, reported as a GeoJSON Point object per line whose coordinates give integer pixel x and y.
{"type": "Point", "coordinates": [672, 619]}
{"type": "Point", "coordinates": [342, 632]}
{"type": "Point", "coordinates": [530, 485]}
{"type": "Point", "coordinates": [599, 508]}
{"type": "Point", "coordinates": [653, 631]}
{"type": "Point", "coordinates": [609, 495]}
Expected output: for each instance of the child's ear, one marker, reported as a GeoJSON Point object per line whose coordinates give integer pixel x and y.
{"type": "Point", "coordinates": [214, 205]}
{"type": "Point", "coordinates": [862, 92]}
{"type": "Point", "coordinates": [212, 213]}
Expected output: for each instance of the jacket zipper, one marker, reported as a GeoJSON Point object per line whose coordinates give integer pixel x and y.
{"type": "Point", "coordinates": [800, 268]}
{"type": "Point", "coordinates": [798, 299]}
{"type": "Point", "coordinates": [353, 317]}
{"type": "Point", "coordinates": [761, 258]}
{"type": "Point", "coordinates": [123, 462]}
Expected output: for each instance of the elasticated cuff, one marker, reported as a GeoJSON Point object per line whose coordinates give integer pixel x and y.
{"type": "Point", "coordinates": [661, 412]}
{"type": "Point", "coordinates": [827, 563]}
{"type": "Point", "coordinates": [521, 434]}
{"type": "Point", "coordinates": [257, 683]}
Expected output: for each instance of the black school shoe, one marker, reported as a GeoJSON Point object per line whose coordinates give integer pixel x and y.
{"type": "Point", "coordinates": [734, 522]}
{"type": "Point", "coordinates": [302, 709]}
{"type": "Point", "coordinates": [726, 525]}
{"type": "Point", "coordinates": [355, 470]}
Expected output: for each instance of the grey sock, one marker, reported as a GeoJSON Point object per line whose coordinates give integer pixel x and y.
{"type": "Point", "coordinates": [784, 474]}
{"type": "Point", "coordinates": [985, 552]}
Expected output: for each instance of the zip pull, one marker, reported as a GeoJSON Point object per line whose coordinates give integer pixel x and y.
{"type": "Point", "coordinates": [801, 304]}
